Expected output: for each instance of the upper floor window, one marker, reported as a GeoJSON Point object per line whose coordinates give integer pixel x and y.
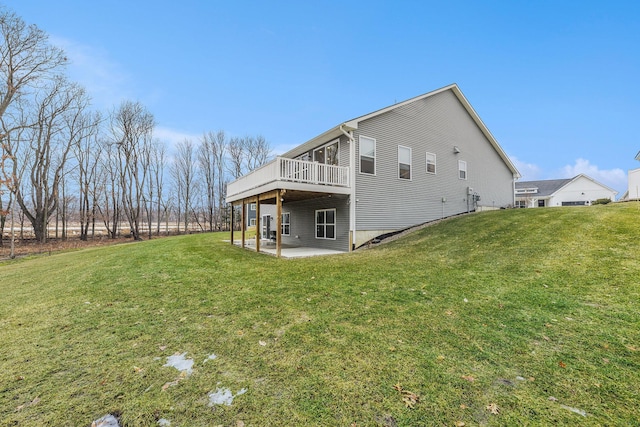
{"type": "Point", "coordinates": [462, 169]}
{"type": "Point", "coordinates": [327, 154]}
{"type": "Point", "coordinates": [431, 163]}
{"type": "Point", "coordinates": [252, 207]}
{"type": "Point", "coordinates": [404, 162]}
{"type": "Point", "coordinates": [367, 155]}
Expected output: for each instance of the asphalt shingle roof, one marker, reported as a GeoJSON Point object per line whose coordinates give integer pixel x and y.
{"type": "Point", "coordinates": [545, 187]}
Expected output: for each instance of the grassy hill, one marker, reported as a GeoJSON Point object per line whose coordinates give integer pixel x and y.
{"type": "Point", "coordinates": [518, 317]}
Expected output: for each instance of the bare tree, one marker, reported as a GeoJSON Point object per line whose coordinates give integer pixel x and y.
{"type": "Point", "coordinates": [219, 154]}
{"type": "Point", "coordinates": [207, 160]}
{"type": "Point", "coordinates": [109, 206]}
{"type": "Point", "coordinates": [184, 173]}
{"type": "Point", "coordinates": [236, 150]}
{"type": "Point", "coordinates": [87, 152]}
{"type": "Point", "coordinates": [26, 60]}
{"type": "Point", "coordinates": [132, 129]}
{"type": "Point", "coordinates": [57, 127]}
{"type": "Point", "coordinates": [257, 152]}
{"type": "Point", "coordinates": [157, 171]}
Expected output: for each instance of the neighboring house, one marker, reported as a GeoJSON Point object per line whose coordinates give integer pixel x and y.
{"type": "Point", "coordinates": [633, 190]}
{"type": "Point", "coordinates": [580, 190]}
{"type": "Point", "coordinates": [415, 161]}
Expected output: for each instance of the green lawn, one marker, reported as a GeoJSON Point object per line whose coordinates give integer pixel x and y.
{"type": "Point", "coordinates": [516, 317]}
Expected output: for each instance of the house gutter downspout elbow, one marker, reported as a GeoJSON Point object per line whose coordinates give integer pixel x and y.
{"type": "Point", "coordinates": [347, 134]}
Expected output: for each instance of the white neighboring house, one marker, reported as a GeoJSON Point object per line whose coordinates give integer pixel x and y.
{"type": "Point", "coordinates": [633, 190]}
{"type": "Point", "coordinates": [580, 190]}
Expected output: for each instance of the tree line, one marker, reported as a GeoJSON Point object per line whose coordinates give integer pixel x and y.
{"type": "Point", "coordinates": [64, 162]}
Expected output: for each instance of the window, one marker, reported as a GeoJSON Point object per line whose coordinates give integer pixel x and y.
{"type": "Point", "coordinates": [462, 169]}
{"type": "Point", "coordinates": [404, 162]}
{"type": "Point", "coordinates": [367, 155]}
{"type": "Point", "coordinates": [521, 203]}
{"type": "Point", "coordinates": [326, 224]}
{"type": "Point", "coordinates": [252, 207]}
{"type": "Point", "coordinates": [327, 154]}
{"type": "Point", "coordinates": [252, 222]}
{"type": "Point", "coordinates": [541, 203]}
{"type": "Point", "coordinates": [431, 163]}
{"type": "Point", "coordinates": [286, 224]}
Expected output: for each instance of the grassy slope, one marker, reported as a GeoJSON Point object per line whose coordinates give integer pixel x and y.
{"type": "Point", "coordinates": [552, 311]}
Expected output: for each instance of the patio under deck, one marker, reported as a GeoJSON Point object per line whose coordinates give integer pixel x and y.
{"type": "Point", "coordinates": [286, 251]}
{"type": "Point", "coordinates": [283, 180]}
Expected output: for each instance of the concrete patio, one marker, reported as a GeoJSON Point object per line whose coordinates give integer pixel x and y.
{"type": "Point", "coordinates": [287, 251]}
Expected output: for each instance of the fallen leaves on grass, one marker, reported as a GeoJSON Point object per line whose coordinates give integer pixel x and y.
{"type": "Point", "coordinates": [182, 376]}
{"type": "Point", "coordinates": [468, 378]}
{"type": "Point", "coordinates": [562, 364]}
{"type": "Point", "coordinates": [262, 343]}
{"type": "Point", "coordinates": [409, 398]}
{"type": "Point", "coordinates": [493, 408]}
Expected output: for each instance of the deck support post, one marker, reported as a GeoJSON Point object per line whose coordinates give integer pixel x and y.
{"type": "Point", "coordinates": [231, 224]}
{"type": "Point", "coordinates": [243, 222]}
{"type": "Point", "coordinates": [258, 229]}
{"type": "Point", "coordinates": [278, 223]}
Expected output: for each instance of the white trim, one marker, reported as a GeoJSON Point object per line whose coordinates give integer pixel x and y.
{"type": "Point", "coordinates": [252, 207]}
{"type": "Point", "coordinates": [335, 221]}
{"type": "Point", "coordinates": [282, 223]}
{"type": "Point", "coordinates": [462, 166]}
{"type": "Point", "coordinates": [375, 155]}
{"type": "Point", "coordinates": [252, 222]}
{"type": "Point", "coordinates": [410, 163]}
{"type": "Point", "coordinates": [435, 163]}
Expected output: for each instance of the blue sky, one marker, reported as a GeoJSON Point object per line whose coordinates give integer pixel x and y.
{"type": "Point", "coordinates": [555, 82]}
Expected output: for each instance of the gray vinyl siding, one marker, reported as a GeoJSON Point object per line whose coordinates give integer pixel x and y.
{"type": "Point", "coordinates": [434, 124]}
{"type": "Point", "coordinates": [303, 222]}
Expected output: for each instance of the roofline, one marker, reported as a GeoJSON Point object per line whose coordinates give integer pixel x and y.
{"type": "Point", "coordinates": [352, 124]}
{"type": "Point", "coordinates": [590, 179]}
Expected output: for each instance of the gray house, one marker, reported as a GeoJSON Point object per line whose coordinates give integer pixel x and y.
{"type": "Point", "coordinates": [419, 160]}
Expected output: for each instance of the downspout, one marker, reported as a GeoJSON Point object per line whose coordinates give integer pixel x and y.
{"type": "Point", "coordinates": [352, 185]}
{"type": "Point", "coordinates": [513, 192]}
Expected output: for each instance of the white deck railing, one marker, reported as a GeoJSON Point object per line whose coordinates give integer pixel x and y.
{"type": "Point", "coordinates": [291, 170]}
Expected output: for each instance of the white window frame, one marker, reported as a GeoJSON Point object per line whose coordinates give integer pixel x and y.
{"type": "Point", "coordinates": [434, 163]}
{"type": "Point", "coordinates": [252, 207]}
{"type": "Point", "coordinates": [361, 138]}
{"type": "Point", "coordinates": [252, 222]}
{"type": "Point", "coordinates": [283, 224]}
{"type": "Point", "coordinates": [335, 220]}
{"type": "Point", "coordinates": [337, 144]}
{"type": "Point", "coordinates": [462, 167]}
{"type": "Point", "coordinates": [400, 147]}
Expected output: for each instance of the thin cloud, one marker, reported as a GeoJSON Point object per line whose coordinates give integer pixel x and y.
{"type": "Point", "coordinates": [105, 80]}
{"type": "Point", "coordinates": [529, 171]}
{"type": "Point", "coordinates": [172, 136]}
{"type": "Point", "coordinates": [614, 178]}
